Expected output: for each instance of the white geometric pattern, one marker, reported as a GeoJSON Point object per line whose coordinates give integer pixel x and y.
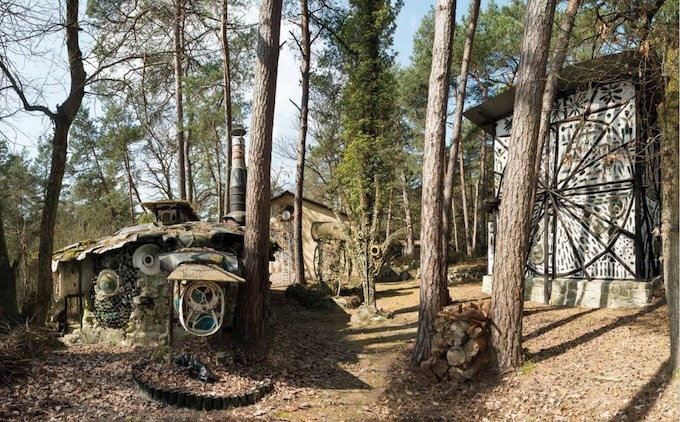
{"type": "Point", "coordinates": [587, 179]}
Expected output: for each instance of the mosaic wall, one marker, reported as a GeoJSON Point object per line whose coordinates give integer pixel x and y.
{"type": "Point", "coordinates": [586, 202]}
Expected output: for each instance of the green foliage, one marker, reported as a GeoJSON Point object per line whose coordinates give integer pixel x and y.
{"type": "Point", "coordinates": [367, 102]}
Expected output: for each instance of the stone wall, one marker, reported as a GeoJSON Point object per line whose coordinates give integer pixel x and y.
{"type": "Point", "coordinates": [148, 323]}
{"type": "Point", "coordinates": [596, 293]}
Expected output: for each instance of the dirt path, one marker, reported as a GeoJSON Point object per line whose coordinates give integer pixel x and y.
{"type": "Point", "coordinates": [584, 365]}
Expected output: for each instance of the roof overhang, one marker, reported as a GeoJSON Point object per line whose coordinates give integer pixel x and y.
{"type": "Point", "coordinates": [602, 70]}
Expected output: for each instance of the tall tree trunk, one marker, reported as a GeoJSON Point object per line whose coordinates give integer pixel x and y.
{"type": "Point", "coordinates": [306, 48]}
{"type": "Point", "coordinates": [252, 295]}
{"type": "Point", "coordinates": [130, 183]}
{"type": "Point", "coordinates": [548, 100]}
{"type": "Point", "coordinates": [479, 224]}
{"type": "Point", "coordinates": [218, 181]}
{"type": "Point", "coordinates": [9, 311]}
{"type": "Point", "coordinates": [187, 154]}
{"type": "Point", "coordinates": [407, 214]}
{"type": "Point", "coordinates": [388, 220]}
{"type": "Point", "coordinates": [432, 260]}
{"type": "Point", "coordinates": [464, 203]}
{"type": "Point", "coordinates": [670, 212]}
{"type": "Point", "coordinates": [178, 37]}
{"type": "Point", "coordinates": [454, 223]}
{"type": "Point", "coordinates": [62, 120]}
{"type": "Point", "coordinates": [227, 100]}
{"type": "Point", "coordinates": [455, 138]}
{"type": "Point", "coordinates": [514, 219]}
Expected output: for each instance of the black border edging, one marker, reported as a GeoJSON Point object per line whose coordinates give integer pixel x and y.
{"type": "Point", "coordinates": [176, 398]}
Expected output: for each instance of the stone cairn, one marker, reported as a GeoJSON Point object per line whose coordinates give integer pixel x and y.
{"type": "Point", "coordinates": [459, 342]}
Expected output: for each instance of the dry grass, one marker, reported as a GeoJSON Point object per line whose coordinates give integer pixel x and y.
{"type": "Point", "coordinates": [19, 346]}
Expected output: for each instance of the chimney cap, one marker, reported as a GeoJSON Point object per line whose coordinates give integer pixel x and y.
{"type": "Point", "coordinates": [238, 130]}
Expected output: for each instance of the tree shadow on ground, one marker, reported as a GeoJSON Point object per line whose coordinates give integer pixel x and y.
{"type": "Point", "coordinates": [391, 293]}
{"type": "Point", "coordinates": [379, 329]}
{"type": "Point", "coordinates": [639, 406]}
{"type": "Point", "coordinates": [535, 311]}
{"type": "Point", "coordinates": [553, 351]}
{"type": "Point", "coordinates": [539, 332]}
{"type": "Point", "coordinates": [410, 309]}
{"type": "Point", "coordinates": [301, 348]}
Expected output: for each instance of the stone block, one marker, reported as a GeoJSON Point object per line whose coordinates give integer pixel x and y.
{"type": "Point", "coordinates": [487, 281]}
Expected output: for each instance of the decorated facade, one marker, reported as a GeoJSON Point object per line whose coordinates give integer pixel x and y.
{"type": "Point", "coordinates": [133, 285]}
{"type": "Point", "coordinates": [595, 224]}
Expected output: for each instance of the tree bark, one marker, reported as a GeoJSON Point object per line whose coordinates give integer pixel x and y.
{"type": "Point", "coordinates": [227, 101]}
{"type": "Point", "coordinates": [130, 183]}
{"type": "Point", "coordinates": [464, 203]}
{"type": "Point", "coordinates": [479, 224]}
{"type": "Point", "coordinates": [407, 215]}
{"type": "Point", "coordinates": [62, 120]}
{"type": "Point", "coordinates": [455, 139]}
{"type": "Point", "coordinates": [548, 100]}
{"type": "Point", "coordinates": [252, 296]}
{"type": "Point", "coordinates": [388, 219]}
{"type": "Point", "coordinates": [454, 223]}
{"type": "Point", "coordinates": [432, 260]}
{"type": "Point", "coordinates": [306, 54]}
{"type": "Point", "coordinates": [178, 37]}
{"type": "Point", "coordinates": [519, 183]}
{"type": "Point", "coordinates": [218, 177]}
{"type": "Point", "coordinates": [187, 154]}
{"type": "Point", "coordinates": [670, 211]}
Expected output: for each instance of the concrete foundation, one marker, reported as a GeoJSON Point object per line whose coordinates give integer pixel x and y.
{"type": "Point", "coordinates": [596, 293]}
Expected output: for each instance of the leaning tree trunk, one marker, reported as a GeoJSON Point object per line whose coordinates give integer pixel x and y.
{"type": "Point", "coordinates": [62, 122]}
{"type": "Point", "coordinates": [178, 31]}
{"type": "Point", "coordinates": [252, 296]}
{"type": "Point", "coordinates": [300, 165]}
{"type": "Point", "coordinates": [514, 219]}
{"type": "Point", "coordinates": [227, 103]}
{"type": "Point", "coordinates": [455, 139]}
{"type": "Point", "coordinates": [432, 258]}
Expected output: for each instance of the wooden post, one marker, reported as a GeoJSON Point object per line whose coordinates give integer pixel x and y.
{"type": "Point", "coordinates": [171, 314]}
{"type": "Point", "coordinates": [80, 295]}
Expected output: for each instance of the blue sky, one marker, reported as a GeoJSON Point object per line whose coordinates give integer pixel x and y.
{"type": "Point", "coordinates": [409, 19]}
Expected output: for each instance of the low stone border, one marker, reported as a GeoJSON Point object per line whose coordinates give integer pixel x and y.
{"type": "Point", "coordinates": [174, 397]}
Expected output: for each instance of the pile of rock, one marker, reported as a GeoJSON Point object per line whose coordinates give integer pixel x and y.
{"type": "Point", "coordinates": [459, 342]}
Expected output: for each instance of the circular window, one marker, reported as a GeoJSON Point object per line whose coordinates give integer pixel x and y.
{"type": "Point", "coordinates": [537, 254]}
{"type": "Point", "coordinates": [108, 283]}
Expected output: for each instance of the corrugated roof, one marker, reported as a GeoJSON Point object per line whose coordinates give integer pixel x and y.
{"type": "Point", "coordinates": [615, 67]}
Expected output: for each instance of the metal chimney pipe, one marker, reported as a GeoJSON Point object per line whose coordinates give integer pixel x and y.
{"type": "Point", "coordinates": [237, 184]}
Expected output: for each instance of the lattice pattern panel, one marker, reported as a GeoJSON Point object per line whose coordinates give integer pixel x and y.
{"type": "Point", "coordinates": [586, 186]}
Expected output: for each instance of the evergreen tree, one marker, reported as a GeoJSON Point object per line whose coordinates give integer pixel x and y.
{"type": "Point", "coordinates": [368, 135]}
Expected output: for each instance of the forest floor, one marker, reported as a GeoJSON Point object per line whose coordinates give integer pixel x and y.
{"type": "Point", "coordinates": [582, 365]}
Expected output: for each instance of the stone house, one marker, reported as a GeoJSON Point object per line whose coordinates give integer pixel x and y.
{"type": "Point", "coordinates": [314, 215]}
